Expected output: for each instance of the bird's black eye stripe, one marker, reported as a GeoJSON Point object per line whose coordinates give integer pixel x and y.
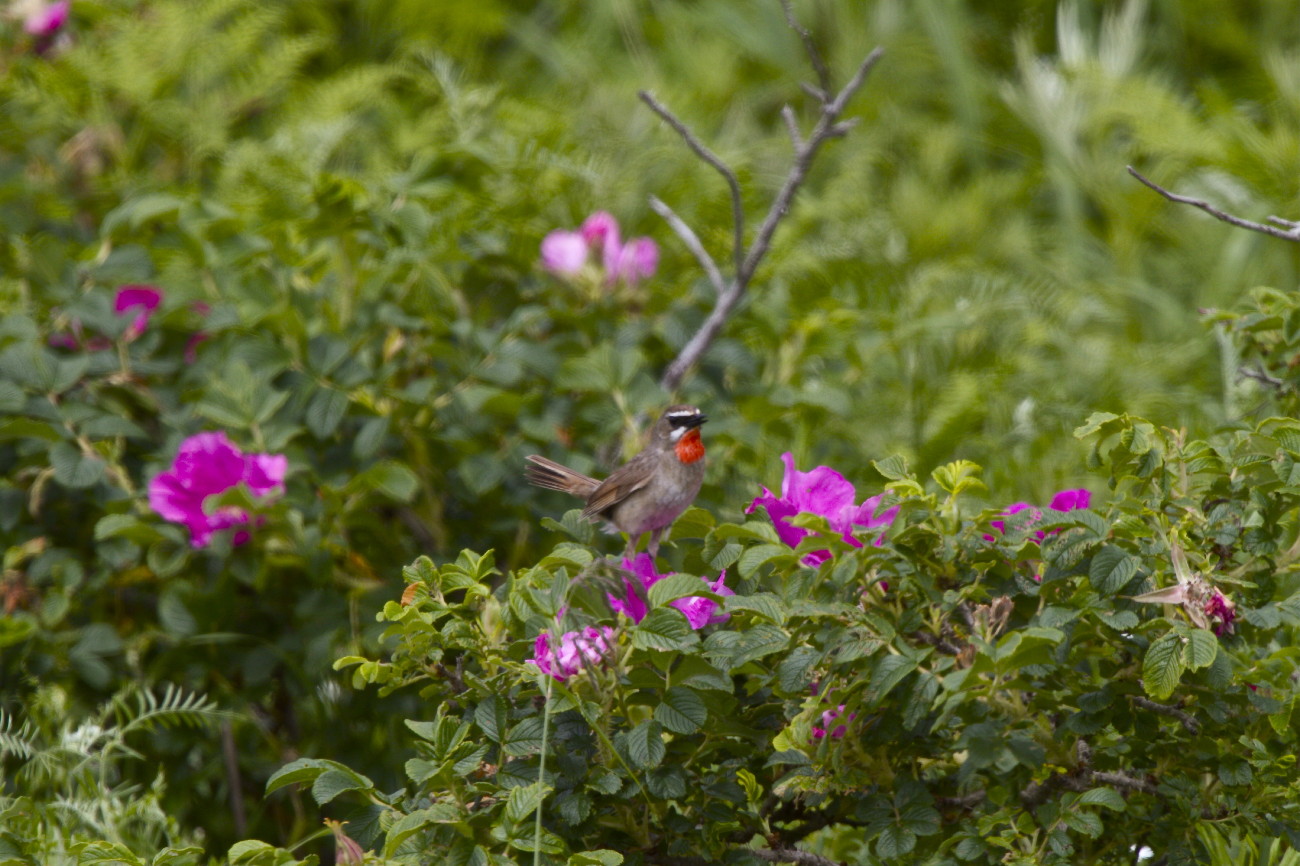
{"type": "Point", "coordinates": [686, 419]}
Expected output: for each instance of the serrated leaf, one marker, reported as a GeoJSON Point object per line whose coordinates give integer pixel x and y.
{"type": "Point", "coordinates": [308, 770]}
{"type": "Point", "coordinates": [664, 628]}
{"type": "Point", "coordinates": [681, 711]}
{"type": "Point", "coordinates": [765, 604]}
{"type": "Point", "coordinates": [889, 671]}
{"type": "Point", "coordinates": [795, 671]}
{"type": "Point", "coordinates": [333, 782]}
{"type": "Point", "coordinates": [174, 616]}
{"type": "Point", "coordinates": [74, 468]}
{"type": "Point", "coordinates": [1201, 648]}
{"type": "Point", "coordinates": [676, 586]}
{"type": "Point", "coordinates": [755, 557]}
{"type": "Point", "coordinates": [599, 857]}
{"type": "Point", "coordinates": [525, 800]}
{"type": "Point", "coordinates": [645, 745]}
{"type": "Point", "coordinates": [1163, 666]}
{"type": "Point", "coordinates": [524, 738]}
{"type": "Point", "coordinates": [492, 716]}
{"type": "Point", "coordinates": [1111, 569]}
{"type": "Point", "coordinates": [894, 842]}
{"type": "Point", "coordinates": [394, 480]}
{"type": "Point", "coordinates": [325, 411]}
{"type": "Point", "coordinates": [1107, 797]}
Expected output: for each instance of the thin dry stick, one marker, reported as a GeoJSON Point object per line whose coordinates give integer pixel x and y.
{"type": "Point", "coordinates": [746, 261]}
{"type": "Point", "coordinates": [1187, 720]}
{"type": "Point", "coordinates": [703, 152]}
{"type": "Point", "coordinates": [692, 241]}
{"type": "Point", "coordinates": [814, 56]}
{"type": "Point", "coordinates": [1291, 233]}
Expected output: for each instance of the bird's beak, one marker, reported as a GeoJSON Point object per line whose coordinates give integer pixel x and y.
{"type": "Point", "coordinates": [697, 420]}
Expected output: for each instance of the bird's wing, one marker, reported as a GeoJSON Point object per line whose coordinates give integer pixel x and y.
{"type": "Point", "coordinates": [620, 484]}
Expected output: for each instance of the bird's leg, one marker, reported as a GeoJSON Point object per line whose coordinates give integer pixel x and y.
{"type": "Point", "coordinates": [654, 542]}
{"type": "Point", "coordinates": [630, 550]}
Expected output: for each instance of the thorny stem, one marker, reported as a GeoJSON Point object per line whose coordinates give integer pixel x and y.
{"type": "Point", "coordinates": [731, 291]}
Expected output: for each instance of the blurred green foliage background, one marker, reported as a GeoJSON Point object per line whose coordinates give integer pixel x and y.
{"type": "Point", "coordinates": [357, 190]}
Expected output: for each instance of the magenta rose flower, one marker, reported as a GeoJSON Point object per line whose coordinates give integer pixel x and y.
{"type": "Point", "coordinates": [208, 464]}
{"type": "Point", "coordinates": [576, 650]}
{"type": "Point", "coordinates": [1221, 612]}
{"type": "Point", "coordinates": [699, 611]}
{"type": "Point", "coordinates": [42, 19]}
{"type": "Point", "coordinates": [828, 493]}
{"type": "Point", "coordinates": [566, 252]}
{"type": "Point", "coordinates": [139, 301]}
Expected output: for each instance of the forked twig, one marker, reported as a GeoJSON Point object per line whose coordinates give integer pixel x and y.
{"type": "Point", "coordinates": [746, 260]}
{"type": "Point", "coordinates": [1291, 233]}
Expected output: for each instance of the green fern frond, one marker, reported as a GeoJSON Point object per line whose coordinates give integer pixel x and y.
{"type": "Point", "coordinates": [16, 739]}
{"type": "Point", "coordinates": [140, 709]}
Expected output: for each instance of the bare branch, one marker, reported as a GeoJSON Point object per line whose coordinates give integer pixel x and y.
{"type": "Point", "coordinates": [791, 855]}
{"type": "Point", "coordinates": [703, 152]}
{"type": "Point", "coordinates": [814, 56]}
{"type": "Point", "coordinates": [802, 161]}
{"type": "Point", "coordinates": [1185, 719]}
{"type": "Point", "coordinates": [792, 126]}
{"type": "Point", "coordinates": [1123, 780]}
{"type": "Point", "coordinates": [746, 261]}
{"type": "Point", "coordinates": [815, 92]}
{"type": "Point", "coordinates": [964, 802]}
{"type": "Point", "coordinates": [692, 241]}
{"type": "Point", "coordinates": [1258, 374]}
{"type": "Point", "coordinates": [1292, 234]}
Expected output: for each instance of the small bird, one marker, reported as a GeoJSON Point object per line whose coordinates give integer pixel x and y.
{"type": "Point", "coordinates": [645, 494]}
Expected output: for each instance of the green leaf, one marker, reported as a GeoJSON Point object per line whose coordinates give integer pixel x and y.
{"type": "Point", "coordinates": [681, 711]}
{"type": "Point", "coordinates": [759, 555]}
{"type": "Point", "coordinates": [394, 480]}
{"type": "Point", "coordinates": [895, 842]}
{"type": "Point", "coordinates": [188, 856]}
{"type": "Point", "coordinates": [677, 586]}
{"type": "Point", "coordinates": [664, 628]}
{"type": "Point", "coordinates": [1201, 648]}
{"type": "Point", "coordinates": [645, 745]}
{"type": "Point", "coordinates": [410, 824]}
{"type": "Point", "coordinates": [1163, 666]}
{"type": "Point", "coordinates": [174, 616]}
{"type": "Point", "coordinates": [308, 770]}
{"type": "Point", "coordinates": [890, 670]}
{"type": "Point", "coordinates": [28, 428]}
{"type": "Point", "coordinates": [333, 782]}
{"type": "Point", "coordinates": [325, 410]}
{"type": "Point", "coordinates": [765, 604]}
{"type": "Point", "coordinates": [492, 716]}
{"type": "Point", "coordinates": [126, 526]}
{"type": "Point", "coordinates": [524, 738]}
{"type": "Point", "coordinates": [795, 671]}
{"type": "Point", "coordinates": [599, 857]}
{"type": "Point", "coordinates": [525, 800]}
{"type": "Point", "coordinates": [1107, 797]}
{"type": "Point", "coordinates": [1235, 771]}
{"type": "Point", "coordinates": [75, 469]}
{"type": "Point", "coordinates": [1112, 569]}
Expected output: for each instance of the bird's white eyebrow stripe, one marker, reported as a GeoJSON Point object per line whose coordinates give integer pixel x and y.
{"type": "Point", "coordinates": [688, 413]}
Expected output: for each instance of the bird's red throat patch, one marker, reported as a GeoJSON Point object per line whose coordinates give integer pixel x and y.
{"type": "Point", "coordinates": [690, 447]}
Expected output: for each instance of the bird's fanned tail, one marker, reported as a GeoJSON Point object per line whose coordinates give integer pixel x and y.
{"type": "Point", "coordinates": [544, 472]}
